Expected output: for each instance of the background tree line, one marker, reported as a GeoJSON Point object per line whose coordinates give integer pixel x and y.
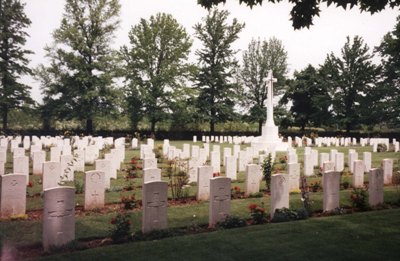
{"type": "Point", "coordinates": [152, 80]}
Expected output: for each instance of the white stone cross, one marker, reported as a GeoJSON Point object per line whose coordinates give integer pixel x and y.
{"type": "Point", "coordinates": [270, 106]}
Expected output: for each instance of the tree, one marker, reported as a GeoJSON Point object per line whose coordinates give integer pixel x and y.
{"type": "Point", "coordinates": [258, 59]}
{"type": "Point", "coordinates": [310, 98]}
{"type": "Point", "coordinates": [349, 79]}
{"type": "Point", "coordinates": [389, 50]}
{"type": "Point", "coordinates": [13, 57]}
{"type": "Point", "coordinates": [217, 66]}
{"type": "Point", "coordinates": [303, 12]}
{"type": "Point", "coordinates": [156, 67]}
{"type": "Point", "coordinates": [78, 82]}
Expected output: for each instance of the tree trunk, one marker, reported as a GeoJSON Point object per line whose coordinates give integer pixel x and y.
{"type": "Point", "coordinates": [212, 127]}
{"type": "Point", "coordinates": [153, 126]}
{"type": "Point", "coordinates": [5, 118]}
{"type": "Point", "coordinates": [89, 126]}
{"type": "Point", "coordinates": [260, 122]}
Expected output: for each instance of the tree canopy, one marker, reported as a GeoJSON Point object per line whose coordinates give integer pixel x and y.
{"type": "Point", "coordinates": [389, 50]}
{"type": "Point", "coordinates": [310, 98]}
{"type": "Point", "coordinates": [156, 67]}
{"type": "Point", "coordinates": [303, 12]}
{"type": "Point", "coordinates": [78, 82]}
{"type": "Point", "coordinates": [350, 80]}
{"type": "Point", "coordinates": [217, 66]}
{"type": "Point", "coordinates": [13, 57]}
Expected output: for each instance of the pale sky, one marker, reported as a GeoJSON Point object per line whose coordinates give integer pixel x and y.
{"type": "Point", "coordinates": [306, 46]}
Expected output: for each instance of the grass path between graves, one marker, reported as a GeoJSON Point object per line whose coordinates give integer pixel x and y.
{"type": "Point", "coordinates": [362, 236]}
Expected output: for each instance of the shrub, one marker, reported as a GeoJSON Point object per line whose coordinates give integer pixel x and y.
{"type": "Point", "coordinates": [231, 222]}
{"type": "Point", "coordinates": [267, 171]}
{"type": "Point", "coordinates": [256, 195]}
{"type": "Point", "coordinates": [133, 168]}
{"type": "Point", "coordinates": [178, 179]}
{"type": "Point", "coordinates": [316, 186]}
{"type": "Point", "coordinates": [359, 198]}
{"type": "Point", "coordinates": [382, 147]}
{"type": "Point", "coordinates": [121, 227]}
{"type": "Point", "coordinates": [286, 214]}
{"type": "Point", "coordinates": [129, 201]}
{"type": "Point", "coordinates": [79, 187]}
{"type": "Point", "coordinates": [236, 193]}
{"type": "Point", "coordinates": [257, 214]}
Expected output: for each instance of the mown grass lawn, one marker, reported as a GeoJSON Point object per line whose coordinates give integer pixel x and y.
{"type": "Point", "coordinates": [362, 236]}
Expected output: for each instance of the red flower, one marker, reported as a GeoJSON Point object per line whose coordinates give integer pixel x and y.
{"type": "Point", "coordinates": [30, 184]}
{"type": "Point", "coordinates": [237, 188]}
{"type": "Point", "coordinates": [215, 174]}
{"type": "Point", "coordinates": [260, 209]}
{"type": "Point", "coordinates": [252, 206]}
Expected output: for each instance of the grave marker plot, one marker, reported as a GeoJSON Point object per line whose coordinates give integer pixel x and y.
{"type": "Point", "coordinates": [151, 175]}
{"type": "Point", "coordinates": [331, 187]}
{"type": "Point", "coordinates": [279, 192]}
{"type": "Point", "coordinates": [58, 217]}
{"type": "Point", "coordinates": [94, 189]}
{"type": "Point", "coordinates": [104, 166]}
{"type": "Point", "coordinates": [155, 201]}
{"type": "Point", "coordinates": [220, 200]}
{"type": "Point", "coordinates": [358, 175]}
{"type": "Point", "coordinates": [375, 187]}
{"type": "Point", "coordinates": [252, 179]}
{"type": "Point", "coordinates": [12, 195]}
{"type": "Point", "coordinates": [51, 174]}
{"type": "Point", "coordinates": [387, 167]}
{"type": "Point", "coordinates": [205, 173]}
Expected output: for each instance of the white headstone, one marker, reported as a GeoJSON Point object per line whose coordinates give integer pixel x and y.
{"type": "Point", "coordinates": [339, 162]}
{"type": "Point", "coordinates": [39, 157]}
{"type": "Point", "coordinates": [308, 165]}
{"type": "Point", "coordinates": [387, 167]}
{"type": "Point", "coordinates": [104, 165]}
{"type": "Point", "coordinates": [94, 189]}
{"type": "Point", "coordinates": [367, 161]}
{"type": "Point", "coordinates": [12, 195]}
{"type": "Point", "coordinates": [220, 200]}
{"type": "Point", "coordinates": [328, 166]}
{"type": "Point", "coordinates": [358, 174]}
{"type": "Point", "coordinates": [205, 173]}
{"type": "Point", "coordinates": [67, 167]}
{"type": "Point", "coordinates": [323, 157]}
{"type": "Point", "coordinates": [21, 166]}
{"type": "Point", "coordinates": [58, 217]}
{"type": "Point", "coordinates": [151, 175]}
{"type": "Point", "coordinates": [352, 157]}
{"type": "Point", "coordinates": [375, 187]}
{"type": "Point", "coordinates": [55, 153]}
{"type": "Point", "coordinates": [193, 163]}
{"type": "Point", "coordinates": [331, 187]}
{"type": "Point", "coordinates": [216, 161]}
{"type": "Point", "coordinates": [231, 167]}
{"type": "Point", "coordinates": [51, 174]}
{"type": "Point", "coordinates": [79, 162]}
{"type": "Point", "coordinates": [279, 192]}
{"type": "Point", "coordinates": [155, 201]}
{"type": "Point", "coordinates": [252, 179]}
{"type": "Point", "coordinates": [294, 176]}
{"type": "Point", "coordinates": [149, 163]}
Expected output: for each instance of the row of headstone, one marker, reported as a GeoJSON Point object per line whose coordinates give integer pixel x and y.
{"type": "Point", "coordinates": [331, 188]}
